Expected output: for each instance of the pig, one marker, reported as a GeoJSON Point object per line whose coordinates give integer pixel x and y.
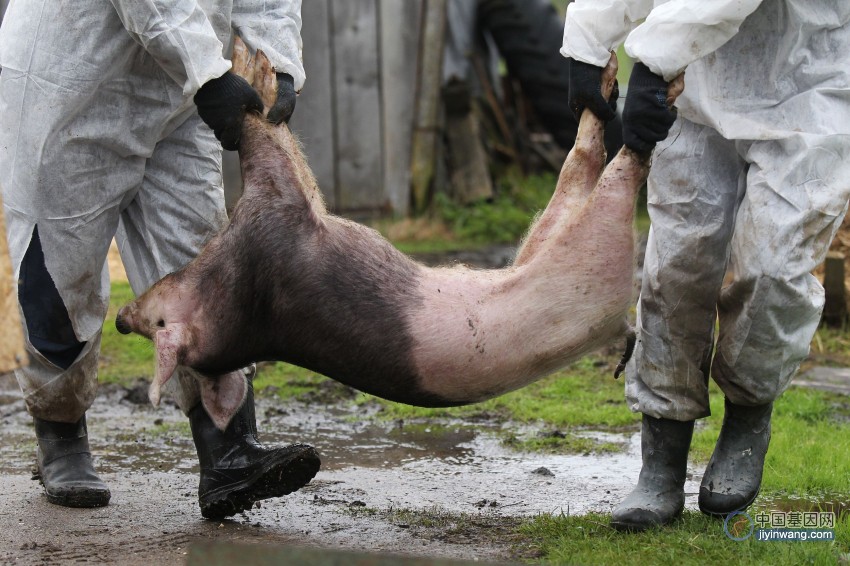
{"type": "Point", "coordinates": [286, 280]}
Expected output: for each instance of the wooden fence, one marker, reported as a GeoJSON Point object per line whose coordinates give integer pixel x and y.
{"type": "Point", "coordinates": [355, 113]}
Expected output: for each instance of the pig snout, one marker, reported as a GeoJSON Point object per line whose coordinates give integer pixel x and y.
{"type": "Point", "coordinates": [123, 322]}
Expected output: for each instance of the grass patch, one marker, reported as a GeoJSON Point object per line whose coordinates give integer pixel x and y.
{"type": "Point", "coordinates": [583, 395]}
{"type": "Point", "coordinates": [831, 347]}
{"type": "Point", "coordinates": [695, 539]}
{"type": "Point", "coordinates": [558, 442]}
{"type": "Point", "coordinates": [507, 217]}
{"type": "Point", "coordinates": [123, 359]}
{"type": "Point", "coordinates": [486, 528]}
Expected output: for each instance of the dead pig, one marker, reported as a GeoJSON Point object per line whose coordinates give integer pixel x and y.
{"type": "Point", "coordinates": [288, 281]}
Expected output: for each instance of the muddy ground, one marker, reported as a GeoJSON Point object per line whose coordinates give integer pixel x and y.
{"type": "Point", "coordinates": [465, 490]}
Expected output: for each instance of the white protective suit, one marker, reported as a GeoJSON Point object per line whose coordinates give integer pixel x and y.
{"type": "Point", "coordinates": [754, 176]}
{"type": "Point", "coordinates": [99, 135]}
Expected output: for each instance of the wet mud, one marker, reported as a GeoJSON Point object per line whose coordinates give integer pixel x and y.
{"type": "Point", "coordinates": [376, 479]}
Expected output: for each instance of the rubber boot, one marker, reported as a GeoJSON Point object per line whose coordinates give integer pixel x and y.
{"type": "Point", "coordinates": [237, 471]}
{"type": "Point", "coordinates": [659, 496]}
{"type": "Point", "coordinates": [65, 465]}
{"type": "Point", "coordinates": [733, 476]}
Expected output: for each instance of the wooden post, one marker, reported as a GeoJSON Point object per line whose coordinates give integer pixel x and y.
{"type": "Point", "coordinates": [357, 105]}
{"type": "Point", "coordinates": [428, 105]}
{"type": "Point", "coordinates": [835, 301]}
{"type": "Point", "coordinates": [12, 353]}
{"type": "Point", "coordinates": [470, 174]}
{"type": "Point", "coordinates": [400, 28]}
{"type": "Point", "coordinates": [313, 121]}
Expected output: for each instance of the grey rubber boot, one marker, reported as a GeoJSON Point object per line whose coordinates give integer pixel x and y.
{"type": "Point", "coordinates": [733, 476]}
{"type": "Point", "coordinates": [65, 466]}
{"type": "Point", "coordinates": [236, 470]}
{"type": "Point", "coordinates": [659, 496]}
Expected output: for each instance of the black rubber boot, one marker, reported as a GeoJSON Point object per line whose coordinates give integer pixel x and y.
{"type": "Point", "coordinates": [236, 470]}
{"type": "Point", "coordinates": [65, 466]}
{"type": "Point", "coordinates": [659, 496]}
{"type": "Point", "coordinates": [733, 476]}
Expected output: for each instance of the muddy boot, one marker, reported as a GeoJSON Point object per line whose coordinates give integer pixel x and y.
{"type": "Point", "coordinates": [65, 466]}
{"type": "Point", "coordinates": [660, 493]}
{"type": "Point", "coordinates": [733, 476]}
{"type": "Point", "coordinates": [236, 470]}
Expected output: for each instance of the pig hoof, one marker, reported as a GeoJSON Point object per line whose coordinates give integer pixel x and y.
{"type": "Point", "coordinates": [631, 340]}
{"type": "Point", "coordinates": [281, 472]}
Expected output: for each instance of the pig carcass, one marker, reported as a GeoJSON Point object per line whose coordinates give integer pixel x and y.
{"type": "Point", "coordinates": [286, 280]}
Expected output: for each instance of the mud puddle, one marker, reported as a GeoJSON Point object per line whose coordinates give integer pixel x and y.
{"type": "Point", "coordinates": [371, 472]}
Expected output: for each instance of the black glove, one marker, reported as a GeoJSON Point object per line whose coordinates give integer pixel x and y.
{"type": "Point", "coordinates": [646, 117]}
{"type": "Point", "coordinates": [222, 104]}
{"type": "Point", "coordinates": [586, 91]}
{"type": "Point", "coordinates": [284, 106]}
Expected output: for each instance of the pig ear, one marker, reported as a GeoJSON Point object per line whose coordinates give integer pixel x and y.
{"type": "Point", "coordinates": [168, 343]}
{"type": "Point", "coordinates": [222, 396]}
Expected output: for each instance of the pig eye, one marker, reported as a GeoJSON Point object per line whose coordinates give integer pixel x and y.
{"type": "Point", "coordinates": [161, 323]}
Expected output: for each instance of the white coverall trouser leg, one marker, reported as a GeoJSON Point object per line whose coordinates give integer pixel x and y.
{"type": "Point", "coordinates": [162, 222]}
{"type": "Point", "coordinates": [768, 211]}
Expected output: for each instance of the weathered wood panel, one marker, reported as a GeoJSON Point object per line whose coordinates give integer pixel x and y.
{"type": "Point", "coordinates": [428, 104]}
{"type": "Point", "coordinates": [400, 24]}
{"type": "Point", "coordinates": [313, 120]}
{"type": "Point", "coordinates": [357, 100]}
{"type": "Point", "coordinates": [12, 352]}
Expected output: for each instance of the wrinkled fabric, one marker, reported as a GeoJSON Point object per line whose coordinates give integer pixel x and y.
{"type": "Point", "coordinates": [768, 210]}
{"type": "Point", "coordinates": [753, 177]}
{"type": "Point", "coordinates": [100, 135]}
{"type": "Point", "coordinates": [755, 70]}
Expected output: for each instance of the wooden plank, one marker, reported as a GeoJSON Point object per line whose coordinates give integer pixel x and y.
{"type": "Point", "coordinates": [428, 103]}
{"type": "Point", "coordinates": [313, 120]}
{"type": "Point", "coordinates": [835, 300]}
{"type": "Point", "coordinates": [470, 174]}
{"type": "Point", "coordinates": [400, 23]}
{"type": "Point", "coordinates": [357, 92]}
{"type": "Point", "coordinates": [12, 353]}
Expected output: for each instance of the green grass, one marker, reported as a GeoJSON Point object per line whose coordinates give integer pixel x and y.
{"type": "Point", "coordinates": [583, 395]}
{"type": "Point", "coordinates": [507, 217]}
{"type": "Point", "coordinates": [695, 539]}
{"type": "Point", "coordinates": [123, 359]}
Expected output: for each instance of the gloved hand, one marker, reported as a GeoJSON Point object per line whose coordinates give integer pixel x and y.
{"type": "Point", "coordinates": [646, 117]}
{"type": "Point", "coordinates": [284, 106]}
{"type": "Point", "coordinates": [586, 91]}
{"type": "Point", "coordinates": [222, 104]}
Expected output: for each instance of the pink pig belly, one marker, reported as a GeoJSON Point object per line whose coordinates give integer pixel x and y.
{"type": "Point", "coordinates": [479, 334]}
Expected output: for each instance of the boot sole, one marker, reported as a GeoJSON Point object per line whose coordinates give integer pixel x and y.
{"type": "Point", "coordinates": [722, 514]}
{"type": "Point", "coordinates": [81, 498]}
{"type": "Point", "coordinates": [276, 479]}
{"type": "Point", "coordinates": [634, 527]}
{"type": "Point", "coordinates": [85, 499]}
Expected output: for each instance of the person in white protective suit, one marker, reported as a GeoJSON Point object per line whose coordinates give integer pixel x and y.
{"type": "Point", "coordinates": [102, 111]}
{"type": "Point", "coordinates": [754, 177]}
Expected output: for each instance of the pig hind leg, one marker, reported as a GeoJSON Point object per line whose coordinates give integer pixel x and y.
{"type": "Point", "coordinates": [578, 177]}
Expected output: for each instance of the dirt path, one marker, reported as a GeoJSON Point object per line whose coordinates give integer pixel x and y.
{"type": "Point", "coordinates": [456, 474]}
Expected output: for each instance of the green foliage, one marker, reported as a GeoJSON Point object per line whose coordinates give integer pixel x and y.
{"type": "Point", "coordinates": [507, 217]}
